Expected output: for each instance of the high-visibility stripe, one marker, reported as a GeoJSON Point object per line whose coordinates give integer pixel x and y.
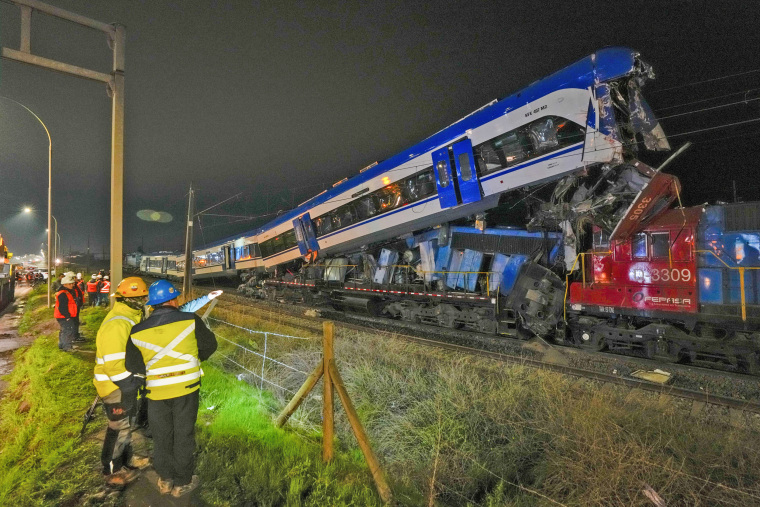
{"type": "Point", "coordinates": [173, 380]}
{"type": "Point", "coordinates": [170, 347]}
{"type": "Point", "coordinates": [101, 377]}
{"type": "Point", "coordinates": [146, 345]}
{"type": "Point", "coordinates": [171, 353]}
{"type": "Point", "coordinates": [176, 367]}
{"type": "Point", "coordinates": [115, 356]}
{"type": "Point", "coordinates": [121, 317]}
{"type": "Point", "coordinates": [99, 360]}
{"type": "Point", "coordinates": [120, 376]}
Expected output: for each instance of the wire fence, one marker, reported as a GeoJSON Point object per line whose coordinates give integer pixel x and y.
{"type": "Point", "coordinates": [261, 375]}
{"type": "Point", "coordinates": [497, 426]}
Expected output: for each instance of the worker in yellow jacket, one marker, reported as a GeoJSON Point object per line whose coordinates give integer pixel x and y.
{"type": "Point", "coordinates": [167, 348]}
{"type": "Point", "coordinates": [115, 385]}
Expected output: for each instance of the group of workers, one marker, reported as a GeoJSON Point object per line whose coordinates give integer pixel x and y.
{"type": "Point", "coordinates": [158, 357]}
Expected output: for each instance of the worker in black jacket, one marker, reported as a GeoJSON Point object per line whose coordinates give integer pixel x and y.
{"type": "Point", "coordinates": [167, 348]}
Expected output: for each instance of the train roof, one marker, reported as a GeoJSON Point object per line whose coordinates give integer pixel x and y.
{"type": "Point", "coordinates": [604, 65]}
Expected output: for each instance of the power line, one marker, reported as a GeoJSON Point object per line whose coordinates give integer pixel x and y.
{"type": "Point", "coordinates": [745, 93]}
{"type": "Point", "coordinates": [709, 108]}
{"type": "Point", "coordinates": [706, 81]}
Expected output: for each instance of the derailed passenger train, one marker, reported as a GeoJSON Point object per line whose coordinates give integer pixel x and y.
{"type": "Point", "coordinates": [421, 237]}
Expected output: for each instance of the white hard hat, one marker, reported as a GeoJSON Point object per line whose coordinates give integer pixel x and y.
{"type": "Point", "coordinates": [94, 275]}
{"type": "Point", "coordinates": [68, 279]}
{"type": "Point", "coordinates": [79, 276]}
{"type": "Point", "coordinates": [99, 276]}
{"type": "Point", "coordinates": [105, 277]}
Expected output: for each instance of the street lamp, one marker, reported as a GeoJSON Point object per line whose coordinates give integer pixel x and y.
{"type": "Point", "coordinates": [50, 185]}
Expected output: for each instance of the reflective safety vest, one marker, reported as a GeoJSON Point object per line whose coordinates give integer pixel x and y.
{"type": "Point", "coordinates": [72, 305]}
{"type": "Point", "coordinates": [106, 288]}
{"type": "Point", "coordinates": [170, 353]}
{"type": "Point", "coordinates": [111, 344]}
{"type": "Point", "coordinates": [92, 286]}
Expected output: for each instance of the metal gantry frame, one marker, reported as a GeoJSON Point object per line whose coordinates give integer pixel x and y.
{"type": "Point", "coordinates": [115, 82]}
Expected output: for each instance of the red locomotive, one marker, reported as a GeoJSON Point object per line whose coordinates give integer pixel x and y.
{"type": "Point", "coordinates": [683, 287]}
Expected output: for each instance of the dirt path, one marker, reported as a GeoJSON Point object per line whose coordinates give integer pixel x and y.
{"type": "Point", "coordinates": [9, 337]}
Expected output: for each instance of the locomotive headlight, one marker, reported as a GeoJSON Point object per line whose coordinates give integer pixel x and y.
{"type": "Point", "coordinates": [585, 336]}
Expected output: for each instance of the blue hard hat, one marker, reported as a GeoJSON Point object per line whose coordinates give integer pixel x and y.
{"type": "Point", "coordinates": [161, 291]}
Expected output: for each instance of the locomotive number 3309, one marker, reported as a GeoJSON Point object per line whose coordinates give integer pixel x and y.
{"type": "Point", "coordinates": [671, 275]}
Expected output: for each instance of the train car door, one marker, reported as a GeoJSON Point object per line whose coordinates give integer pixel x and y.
{"type": "Point", "coordinates": [447, 194]}
{"type": "Point", "coordinates": [467, 175]}
{"type": "Point", "coordinates": [229, 256]}
{"type": "Point", "coordinates": [300, 236]}
{"type": "Point", "coordinates": [305, 235]}
{"type": "Point", "coordinates": [311, 235]}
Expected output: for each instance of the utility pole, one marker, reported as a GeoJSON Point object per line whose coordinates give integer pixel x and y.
{"type": "Point", "coordinates": [187, 281]}
{"type": "Point", "coordinates": [116, 37]}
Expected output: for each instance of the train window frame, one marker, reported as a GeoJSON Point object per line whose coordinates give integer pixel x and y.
{"type": "Point", "coordinates": [653, 243]}
{"type": "Point", "coordinates": [490, 155]}
{"type": "Point", "coordinates": [636, 239]}
{"type": "Point", "coordinates": [400, 197]}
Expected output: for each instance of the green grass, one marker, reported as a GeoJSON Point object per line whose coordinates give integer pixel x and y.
{"type": "Point", "coordinates": [244, 458]}
{"type": "Point", "coordinates": [42, 461]}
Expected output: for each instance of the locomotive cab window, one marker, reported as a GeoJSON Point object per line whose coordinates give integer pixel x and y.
{"type": "Point", "coordinates": [660, 245]}
{"type": "Point", "coordinates": [639, 246]}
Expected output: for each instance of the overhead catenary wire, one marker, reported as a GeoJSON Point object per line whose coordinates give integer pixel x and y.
{"type": "Point", "coordinates": [704, 81]}
{"type": "Point", "coordinates": [744, 92]}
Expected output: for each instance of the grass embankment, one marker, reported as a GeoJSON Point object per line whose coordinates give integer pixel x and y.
{"type": "Point", "coordinates": [458, 431]}
{"type": "Point", "coordinates": [242, 458]}
{"type": "Point", "coordinates": [42, 461]}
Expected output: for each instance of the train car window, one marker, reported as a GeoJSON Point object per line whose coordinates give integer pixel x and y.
{"type": "Point", "coordinates": [541, 136]}
{"type": "Point", "coordinates": [660, 245]}
{"type": "Point", "coordinates": [426, 183]}
{"type": "Point", "coordinates": [254, 250]}
{"type": "Point", "coordinates": [443, 174]}
{"type": "Point", "coordinates": [366, 207]}
{"type": "Point", "coordinates": [390, 197]}
{"type": "Point", "coordinates": [464, 166]}
{"type": "Point", "coordinates": [639, 246]}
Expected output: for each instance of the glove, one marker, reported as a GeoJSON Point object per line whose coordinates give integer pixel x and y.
{"type": "Point", "coordinates": [215, 294]}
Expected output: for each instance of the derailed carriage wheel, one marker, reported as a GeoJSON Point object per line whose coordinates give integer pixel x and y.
{"type": "Point", "coordinates": [591, 340]}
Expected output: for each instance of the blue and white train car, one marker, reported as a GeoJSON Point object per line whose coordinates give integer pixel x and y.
{"type": "Point", "coordinates": [558, 125]}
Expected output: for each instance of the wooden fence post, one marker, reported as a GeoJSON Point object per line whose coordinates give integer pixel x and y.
{"type": "Point", "coordinates": [331, 379]}
{"type": "Point", "coordinates": [328, 424]}
{"type": "Point", "coordinates": [374, 465]}
{"type": "Point", "coordinates": [301, 394]}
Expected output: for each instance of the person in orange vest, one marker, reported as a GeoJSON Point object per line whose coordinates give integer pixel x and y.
{"type": "Point", "coordinates": [105, 289]}
{"type": "Point", "coordinates": [66, 313]}
{"type": "Point", "coordinates": [93, 289]}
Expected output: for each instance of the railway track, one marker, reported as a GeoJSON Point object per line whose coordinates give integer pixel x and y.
{"type": "Point", "coordinates": [294, 317]}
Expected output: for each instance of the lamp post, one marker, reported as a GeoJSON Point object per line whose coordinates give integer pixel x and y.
{"type": "Point", "coordinates": [50, 187]}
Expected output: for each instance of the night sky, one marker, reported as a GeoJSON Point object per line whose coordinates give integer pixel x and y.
{"type": "Point", "coordinates": [274, 100]}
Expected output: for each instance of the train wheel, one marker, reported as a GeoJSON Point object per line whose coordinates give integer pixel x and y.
{"type": "Point", "coordinates": [592, 340]}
